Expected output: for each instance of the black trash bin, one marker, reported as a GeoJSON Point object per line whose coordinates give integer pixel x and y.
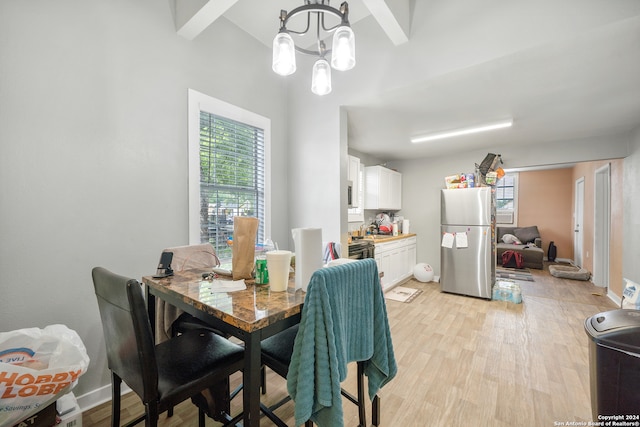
{"type": "Point", "coordinates": [614, 363]}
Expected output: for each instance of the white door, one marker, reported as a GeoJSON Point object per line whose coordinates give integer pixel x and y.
{"type": "Point", "coordinates": [602, 224]}
{"type": "Point", "coordinates": [578, 217]}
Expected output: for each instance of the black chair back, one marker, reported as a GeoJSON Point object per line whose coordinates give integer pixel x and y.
{"type": "Point", "coordinates": [127, 332]}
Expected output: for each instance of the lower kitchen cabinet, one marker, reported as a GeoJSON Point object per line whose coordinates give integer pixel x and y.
{"type": "Point", "coordinates": [396, 260]}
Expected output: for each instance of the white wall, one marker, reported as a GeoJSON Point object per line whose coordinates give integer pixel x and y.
{"type": "Point", "coordinates": [318, 157]}
{"type": "Point", "coordinates": [631, 226]}
{"type": "Point", "coordinates": [93, 148]}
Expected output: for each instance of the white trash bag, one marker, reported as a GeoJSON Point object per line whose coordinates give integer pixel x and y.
{"type": "Point", "coordinates": [36, 367]}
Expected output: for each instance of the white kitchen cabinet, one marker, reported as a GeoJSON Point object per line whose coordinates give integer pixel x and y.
{"type": "Point", "coordinates": [395, 190]}
{"type": "Point", "coordinates": [411, 258]}
{"type": "Point", "coordinates": [383, 259]}
{"type": "Point", "coordinates": [353, 175]}
{"type": "Point", "coordinates": [383, 188]}
{"type": "Point", "coordinates": [396, 260]}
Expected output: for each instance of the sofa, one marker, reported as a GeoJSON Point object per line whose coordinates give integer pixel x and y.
{"type": "Point", "coordinates": [525, 240]}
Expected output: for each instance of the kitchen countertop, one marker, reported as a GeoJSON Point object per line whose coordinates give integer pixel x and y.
{"type": "Point", "coordinates": [377, 238]}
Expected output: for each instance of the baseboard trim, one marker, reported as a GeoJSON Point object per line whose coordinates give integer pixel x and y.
{"type": "Point", "coordinates": [613, 297]}
{"type": "Point", "coordinates": [98, 397]}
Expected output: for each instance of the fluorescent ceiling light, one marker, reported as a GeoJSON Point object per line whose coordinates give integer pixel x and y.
{"type": "Point", "coordinates": [464, 131]}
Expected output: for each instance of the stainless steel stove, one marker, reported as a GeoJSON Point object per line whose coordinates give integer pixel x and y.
{"type": "Point", "coordinates": [360, 249]}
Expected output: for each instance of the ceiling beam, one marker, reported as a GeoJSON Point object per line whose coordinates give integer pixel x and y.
{"type": "Point", "coordinates": [394, 18]}
{"type": "Point", "coordinates": [193, 16]}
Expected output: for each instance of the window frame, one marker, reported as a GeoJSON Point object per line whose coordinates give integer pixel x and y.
{"type": "Point", "coordinates": [198, 102]}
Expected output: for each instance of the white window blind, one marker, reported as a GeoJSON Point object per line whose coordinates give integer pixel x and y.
{"type": "Point", "coordinates": [231, 178]}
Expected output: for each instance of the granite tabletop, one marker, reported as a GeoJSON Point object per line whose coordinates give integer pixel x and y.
{"type": "Point", "coordinates": [249, 310]}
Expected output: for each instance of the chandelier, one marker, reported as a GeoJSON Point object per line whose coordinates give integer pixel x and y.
{"type": "Point", "coordinates": [342, 49]}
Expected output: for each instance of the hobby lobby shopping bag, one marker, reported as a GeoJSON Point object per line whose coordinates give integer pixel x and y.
{"type": "Point", "coordinates": [36, 367]}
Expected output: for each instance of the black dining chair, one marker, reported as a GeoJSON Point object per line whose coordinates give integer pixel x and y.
{"type": "Point", "coordinates": [171, 321]}
{"type": "Point", "coordinates": [165, 374]}
{"type": "Point", "coordinates": [277, 351]}
{"type": "Point", "coordinates": [276, 354]}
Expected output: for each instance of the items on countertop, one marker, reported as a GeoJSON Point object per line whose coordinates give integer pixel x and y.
{"type": "Point", "coordinates": [384, 224]}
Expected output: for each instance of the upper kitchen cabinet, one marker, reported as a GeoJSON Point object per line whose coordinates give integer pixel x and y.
{"type": "Point", "coordinates": [354, 177]}
{"type": "Point", "coordinates": [383, 188]}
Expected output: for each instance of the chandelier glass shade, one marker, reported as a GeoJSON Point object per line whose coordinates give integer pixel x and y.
{"type": "Point", "coordinates": [284, 54]}
{"type": "Point", "coordinates": [321, 77]}
{"type": "Point", "coordinates": [342, 50]}
{"type": "Point", "coordinates": [343, 55]}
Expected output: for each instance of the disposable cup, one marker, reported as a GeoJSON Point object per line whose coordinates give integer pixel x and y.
{"type": "Point", "coordinates": [278, 267]}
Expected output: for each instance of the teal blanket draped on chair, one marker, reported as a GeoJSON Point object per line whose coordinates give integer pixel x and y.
{"type": "Point", "coordinates": [344, 319]}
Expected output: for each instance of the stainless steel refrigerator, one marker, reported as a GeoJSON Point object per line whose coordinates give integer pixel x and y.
{"type": "Point", "coordinates": [467, 249]}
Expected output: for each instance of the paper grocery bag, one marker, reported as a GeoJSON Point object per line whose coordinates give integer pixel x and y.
{"type": "Point", "coordinates": [245, 230]}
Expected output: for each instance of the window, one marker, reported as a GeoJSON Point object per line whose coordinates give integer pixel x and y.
{"type": "Point", "coordinates": [507, 199]}
{"type": "Point", "coordinates": [228, 177]}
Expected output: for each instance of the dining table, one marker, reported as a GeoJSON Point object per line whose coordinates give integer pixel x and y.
{"type": "Point", "coordinates": [251, 315]}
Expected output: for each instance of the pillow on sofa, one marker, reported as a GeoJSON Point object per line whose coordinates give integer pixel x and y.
{"type": "Point", "coordinates": [527, 234]}
{"type": "Point", "coordinates": [510, 238]}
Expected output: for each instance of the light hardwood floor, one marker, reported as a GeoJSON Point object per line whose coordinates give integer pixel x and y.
{"type": "Point", "coordinates": [464, 361]}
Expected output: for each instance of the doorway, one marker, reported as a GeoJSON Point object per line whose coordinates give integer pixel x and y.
{"type": "Point", "coordinates": [602, 226]}
{"type": "Point", "coordinates": [578, 216]}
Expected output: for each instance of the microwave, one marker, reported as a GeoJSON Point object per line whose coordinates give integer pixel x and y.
{"type": "Point", "coordinates": [350, 194]}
